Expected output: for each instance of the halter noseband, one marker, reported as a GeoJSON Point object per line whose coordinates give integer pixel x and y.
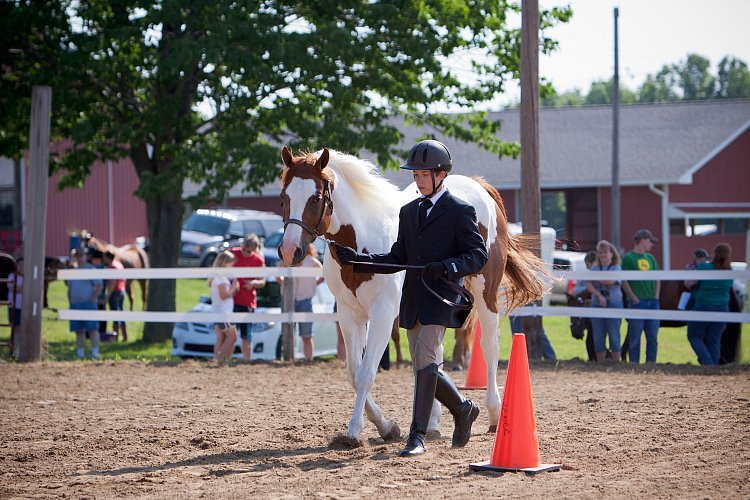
{"type": "Point", "coordinates": [327, 206]}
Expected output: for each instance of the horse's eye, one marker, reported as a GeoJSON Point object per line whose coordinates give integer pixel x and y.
{"type": "Point", "coordinates": [317, 198]}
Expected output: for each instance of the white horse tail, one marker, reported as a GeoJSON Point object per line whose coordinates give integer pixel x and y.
{"type": "Point", "coordinates": [526, 277]}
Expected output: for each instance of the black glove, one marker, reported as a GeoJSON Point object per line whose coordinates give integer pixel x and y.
{"type": "Point", "coordinates": [344, 254]}
{"type": "Point", "coordinates": [434, 270]}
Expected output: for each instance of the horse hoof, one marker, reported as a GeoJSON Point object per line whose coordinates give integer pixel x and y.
{"type": "Point", "coordinates": [345, 440]}
{"type": "Point", "coordinates": [492, 429]}
{"type": "Point", "coordinates": [394, 434]}
{"type": "Point", "coordinates": [432, 434]}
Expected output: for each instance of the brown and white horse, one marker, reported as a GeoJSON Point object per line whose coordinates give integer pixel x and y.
{"type": "Point", "coordinates": [131, 256]}
{"type": "Point", "coordinates": [345, 199]}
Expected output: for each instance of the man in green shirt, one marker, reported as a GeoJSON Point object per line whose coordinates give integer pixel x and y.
{"type": "Point", "coordinates": [642, 295]}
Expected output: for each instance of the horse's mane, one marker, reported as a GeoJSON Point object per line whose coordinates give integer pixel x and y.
{"type": "Point", "coordinates": [364, 179]}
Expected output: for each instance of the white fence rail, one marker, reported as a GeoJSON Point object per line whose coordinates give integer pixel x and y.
{"type": "Point", "coordinates": [242, 272]}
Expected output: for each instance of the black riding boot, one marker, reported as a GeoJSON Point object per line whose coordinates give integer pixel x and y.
{"type": "Point", "coordinates": [464, 411]}
{"type": "Point", "coordinates": [424, 396]}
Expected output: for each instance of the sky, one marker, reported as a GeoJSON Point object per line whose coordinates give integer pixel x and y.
{"type": "Point", "coordinates": [652, 33]}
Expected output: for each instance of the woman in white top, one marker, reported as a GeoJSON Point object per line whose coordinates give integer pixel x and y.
{"type": "Point", "coordinates": [222, 300]}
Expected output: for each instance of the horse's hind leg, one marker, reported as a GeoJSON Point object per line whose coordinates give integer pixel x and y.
{"type": "Point", "coordinates": [129, 292]}
{"type": "Point", "coordinates": [143, 295]}
{"type": "Point", "coordinates": [490, 349]}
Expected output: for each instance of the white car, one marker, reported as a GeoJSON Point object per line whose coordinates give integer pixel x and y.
{"type": "Point", "coordinates": [567, 261]}
{"type": "Point", "coordinates": [740, 286]}
{"type": "Point", "coordinates": [197, 339]}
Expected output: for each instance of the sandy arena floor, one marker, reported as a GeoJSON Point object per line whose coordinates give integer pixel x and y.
{"type": "Point", "coordinates": [188, 430]}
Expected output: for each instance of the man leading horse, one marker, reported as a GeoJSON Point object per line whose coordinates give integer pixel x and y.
{"type": "Point", "coordinates": [438, 231]}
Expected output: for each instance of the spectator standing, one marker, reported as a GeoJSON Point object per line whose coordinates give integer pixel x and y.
{"type": "Point", "coordinates": [606, 293]}
{"type": "Point", "coordinates": [710, 295]}
{"type": "Point", "coordinates": [116, 294]}
{"type": "Point", "coordinates": [642, 294]}
{"type": "Point", "coordinates": [83, 295]}
{"type": "Point", "coordinates": [700, 255]}
{"type": "Point", "coordinates": [96, 258]}
{"type": "Point", "coordinates": [15, 294]}
{"type": "Point", "coordinates": [580, 327]}
{"type": "Point", "coordinates": [304, 291]}
{"type": "Point", "coordinates": [222, 301]}
{"type": "Point", "coordinates": [246, 300]}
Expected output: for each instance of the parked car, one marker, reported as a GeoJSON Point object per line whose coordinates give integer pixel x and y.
{"type": "Point", "coordinates": [740, 285]}
{"type": "Point", "coordinates": [205, 232]}
{"type": "Point", "coordinates": [565, 261]}
{"type": "Point", "coordinates": [271, 248]}
{"type": "Point", "coordinates": [197, 339]}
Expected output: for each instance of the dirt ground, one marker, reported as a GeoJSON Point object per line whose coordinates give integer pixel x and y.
{"type": "Point", "coordinates": [189, 430]}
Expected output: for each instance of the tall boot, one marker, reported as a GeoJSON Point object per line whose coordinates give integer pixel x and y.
{"type": "Point", "coordinates": [424, 396]}
{"type": "Point", "coordinates": [464, 411]}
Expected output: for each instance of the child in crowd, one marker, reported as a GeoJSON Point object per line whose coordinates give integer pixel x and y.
{"type": "Point", "coordinates": [222, 300]}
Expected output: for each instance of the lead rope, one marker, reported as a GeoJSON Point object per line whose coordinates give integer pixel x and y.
{"type": "Point", "coordinates": [464, 294]}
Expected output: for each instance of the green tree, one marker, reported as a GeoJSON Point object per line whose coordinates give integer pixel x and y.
{"type": "Point", "coordinates": [695, 79]}
{"type": "Point", "coordinates": [659, 88]}
{"type": "Point", "coordinates": [733, 80]}
{"type": "Point", "coordinates": [131, 78]}
{"type": "Point", "coordinates": [601, 93]}
{"type": "Point", "coordinates": [566, 99]}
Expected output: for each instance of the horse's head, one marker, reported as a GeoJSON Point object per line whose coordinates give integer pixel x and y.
{"type": "Point", "coordinates": [306, 187]}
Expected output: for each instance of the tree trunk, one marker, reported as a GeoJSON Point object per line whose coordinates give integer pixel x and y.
{"type": "Point", "coordinates": [164, 226]}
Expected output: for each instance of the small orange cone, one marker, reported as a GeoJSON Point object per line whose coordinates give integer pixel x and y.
{"type": "Point", "coordinates": [476, 375]}
{"type": "Point", "coordinates": [516, 445]}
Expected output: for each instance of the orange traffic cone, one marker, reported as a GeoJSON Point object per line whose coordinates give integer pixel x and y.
{"type": "Point", "coordinates": [516, 445]}
{"type": "Point", "coordinates": [476, 375]}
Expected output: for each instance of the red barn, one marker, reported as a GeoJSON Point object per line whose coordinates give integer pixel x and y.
{"type": "Point", "coordinates": [684, 174]}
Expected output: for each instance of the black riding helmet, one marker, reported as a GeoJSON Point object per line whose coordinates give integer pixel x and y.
{"type": "Point", "coordinates": [429, 155]}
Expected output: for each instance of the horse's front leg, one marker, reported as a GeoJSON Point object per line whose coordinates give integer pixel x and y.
{"type": "Point", "coordinates": [378, 336]}
{"type": "Point", "coordinates": [490, 348]}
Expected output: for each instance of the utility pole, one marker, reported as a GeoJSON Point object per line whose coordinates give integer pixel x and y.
{"type": "Point", "coordinates": [287, 328]}
{"type": "Point", "coordinates": [616, 143]}
{"type": "Point", "coordinates": [30, 342]}
{"type": "Point", "coordinates": [531, 212]}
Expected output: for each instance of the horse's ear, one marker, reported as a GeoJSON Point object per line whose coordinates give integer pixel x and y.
{"type": "Point", "coordinates": [286, 156]}
{"type": "Point", "coordinates": [323, 159]}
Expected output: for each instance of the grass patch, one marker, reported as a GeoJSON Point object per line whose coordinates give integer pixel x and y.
{"type": "Point", "coordinates": [59, 343]}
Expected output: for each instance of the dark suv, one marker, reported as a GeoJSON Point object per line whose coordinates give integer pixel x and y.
{"type": "Point", "coordinates": [210, 231]}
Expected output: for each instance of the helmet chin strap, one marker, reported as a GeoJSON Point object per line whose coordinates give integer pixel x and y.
{"type": "Point", "coordinates": [434, 187]}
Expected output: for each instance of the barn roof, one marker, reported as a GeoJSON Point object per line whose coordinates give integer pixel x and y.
{"type": "Point", "coordinates": [659, 144]}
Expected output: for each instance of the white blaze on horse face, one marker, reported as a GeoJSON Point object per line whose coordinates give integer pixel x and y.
{"type": "Point", "coordinates": [299, 191]}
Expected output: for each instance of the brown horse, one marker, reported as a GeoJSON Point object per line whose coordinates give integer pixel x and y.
{"type": "Point", "coordinates": [346, 200]}
{"type": "Point", "coordinates": [131, 256]}
{"type": "Point", "coordinates": [669, 297]}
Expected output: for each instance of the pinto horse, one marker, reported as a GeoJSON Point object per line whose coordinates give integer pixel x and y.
{"type": "Point", "coordinates": [345, 199]}
{"type": "Point", "coordinates": [131, 256]}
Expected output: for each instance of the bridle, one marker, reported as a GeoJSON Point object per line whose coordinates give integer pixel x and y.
{"type": "Point", "coordinates": [316, 231]}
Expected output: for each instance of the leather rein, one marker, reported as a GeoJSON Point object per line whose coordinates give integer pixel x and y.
{"type": "Point", "coordinates": [465, 301]}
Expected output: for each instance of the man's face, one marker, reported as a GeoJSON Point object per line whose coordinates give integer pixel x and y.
{"type": "Point", "coordinates": [423, 179]}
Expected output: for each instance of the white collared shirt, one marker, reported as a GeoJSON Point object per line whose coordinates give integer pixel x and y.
{"type": "Point", "coordinates": [434, 200]}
